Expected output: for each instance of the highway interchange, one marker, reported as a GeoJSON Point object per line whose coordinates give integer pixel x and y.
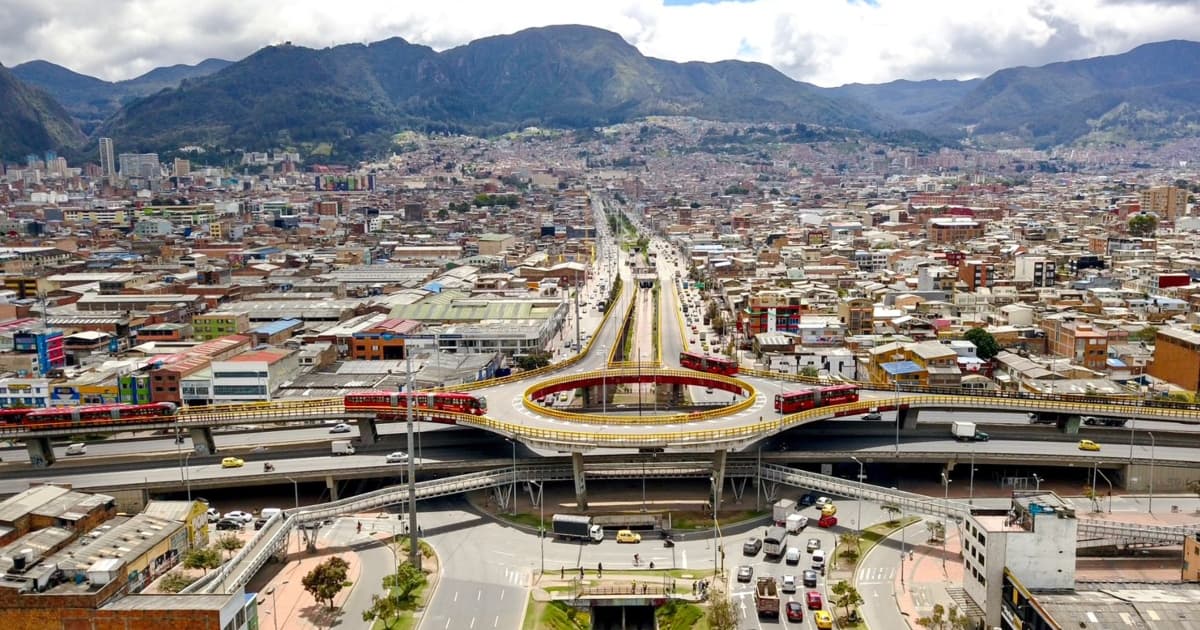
{"type": "Point", "coordinates": [490, 586]}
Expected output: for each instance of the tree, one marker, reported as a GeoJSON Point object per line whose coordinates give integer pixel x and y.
{"type": "Point", "coordinates": [893, 511]}
{"type": "Point", "coordinates": [405, 580]}
{"type": "Point", "coordinates": [1146, 335]}
{"type": "Point", "coordinates": [1143, 225]}
{"type": "Point", "coordinates": [936, 529]}
{"type": "Point", "coordinates": [845, 596]}
{"type": "Point", "coordinates": [985, 344]}
{"type": "Point", "coordinates": [533, 360]}
{"type": "Point", "coordinates": [174, 582]}
{"type": "Point", "coordinates": [326, 580]}
{"type": "Point", "coordinates": [809, 371]}
{"type": "Point", "coordinates": [721, 613]}
{"type": "Point", "coordinates": [229, 544]}
{"type": "Point", "coordinates": [848, 541]}
{"type": "Point", "coordinates": [202, 558]}
{"type": "Point", "coordinates": [385, 609]}
{"type": "Point", "coordinates": [936, 620]}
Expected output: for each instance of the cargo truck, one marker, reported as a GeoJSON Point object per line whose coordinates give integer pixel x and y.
{"type": "Point", "coordinates": [795, 523]}
{"type": "Point", "coordinates": [576, 527]}
{"type": "Point", "coordinates": [342, 447]}
{"type": "Point", "coordinates": [965, 431]}
{"type": "Point", "coordinates": [782, 510]}
{"type": "Point", "coordinates": [766, 597]}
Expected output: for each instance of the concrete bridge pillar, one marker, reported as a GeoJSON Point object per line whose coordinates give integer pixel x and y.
{"type": "Point", "coordinates": [368, 432]}
{"type": "Point", "coordinates": [907, 418]}
{"type": "Point", "coordinates": [332, 484]}
{"type": "Point", "coordinates": [718, 478]}
{"type": "Point", "coordinates": [588, 394]}
{"type": "Point", "coordinates": [41, 452]}
{"type": "Point", "coordinates": [580, 481]}
{"type": "Point", "coordinates": [677, 393]}
{"type": "Point", "coordinates": [202, 440]}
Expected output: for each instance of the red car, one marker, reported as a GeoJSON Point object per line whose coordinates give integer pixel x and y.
{"type": "Point", "coordinates": [814, 601]}
{"type": "Point", "coordinates": [827, 521]}
{"type": "Point", "coordinates": [795, 612]}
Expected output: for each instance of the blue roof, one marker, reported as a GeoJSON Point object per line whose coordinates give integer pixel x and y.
{"type": "Point", "coordinates": [276, 326]}
{"type": "Point", "coordinates": [902, 367]}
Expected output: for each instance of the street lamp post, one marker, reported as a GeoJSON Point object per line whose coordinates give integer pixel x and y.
{"type": "Point", "coordinates": [274, 606]}
{"type": "Point", "coordinates": [945, 515]}
{"type": "Point", "coordinates": [643, 484]}
{"type": "Point", "coordinates": [896, 382]}
{"type": "Point", "coordinates": [861, 476]}
{"type": "Point", "coordinates": [512, 506]}
{"type": "Point", "coordinates": [1151, 510]}
{"type": "Point", "coordinates": [971, 495]}
{"type": "Point", "coordinates": [187, 475]}
{"type": "Point", "coordinates": [296, 491]}
{"type": "Point", "coordinates": [1037, 480]}
{"type": "Point", "coordinates": [1132, 424]}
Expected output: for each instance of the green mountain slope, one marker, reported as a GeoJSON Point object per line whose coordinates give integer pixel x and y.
{"type": "Point", "coordinates": [1143, 93]}
{"type": "Point", "coordinates": [91, 100]}
{"type": "Point", "coordinates": [356, 96]}
{"type": "Point", "coordinates": [31, 121]}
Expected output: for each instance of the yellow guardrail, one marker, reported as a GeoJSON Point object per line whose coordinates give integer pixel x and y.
{"type": "Point", "coordinates": [588, 418]}
{"type": "Point", "coordinates": [683, 338]}
{"type": "Point", "coordinates": [625, 321]}
{"type": "Point", "coordinates": [658, 328]}
{"type": "Point", "coordinates": [255, 406]}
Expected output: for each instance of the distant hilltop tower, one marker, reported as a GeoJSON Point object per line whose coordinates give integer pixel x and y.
{"type": "Point", "coordinates": [108, 166]}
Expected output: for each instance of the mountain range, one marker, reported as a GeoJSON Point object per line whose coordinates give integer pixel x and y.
{"type": "Point", "coordinates": [356, 97]}
{"type": "Point", "coordinates": [30, 120]}
{"type": "Point", "coordinates": [91, 100]}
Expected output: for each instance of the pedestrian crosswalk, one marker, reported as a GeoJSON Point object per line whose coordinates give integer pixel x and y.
{"type": "Point", "coordinates": [875, 575]}
{"type": "Point", "coordinates": [516, 577]}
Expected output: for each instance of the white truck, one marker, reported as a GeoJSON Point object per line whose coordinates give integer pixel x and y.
{"type": "Point", "coordinates": [341, 447]}
{"type": "Point", "coordinates": [796, 522]}
{"type": "Point", "coordinates": [782, 510]}
{"type": "Point", "coordinates": [965, 431]}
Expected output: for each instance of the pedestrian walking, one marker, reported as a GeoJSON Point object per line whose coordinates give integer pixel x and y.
{"type": "Point", "coordinates": [562, 573]}
{"type": "Point", "coordinates": [599, 569]}
{"type": "Point", "coordinates": [581, 572]}
{"type": "Point", "coordinates": [360, 527]}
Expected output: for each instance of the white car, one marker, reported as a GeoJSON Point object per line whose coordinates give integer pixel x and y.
{"type": "Point", "coordinates": [340, 427]}
{"type": "Point", "coordinates": [78, 448]}
{"type": "Point", "coordinates": [789, 584]}
{"type": "Point", "coordinates": [238, 515]}
{"type": "Point", "coordinates": [213, 515]}
{"type": "Point", "coordinates": [823, 501]}
{"type": "Point", "coordinates": [398, 457]}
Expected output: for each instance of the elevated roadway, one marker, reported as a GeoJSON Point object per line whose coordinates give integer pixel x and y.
{"type": "Point", "coordinates": [272, 538]}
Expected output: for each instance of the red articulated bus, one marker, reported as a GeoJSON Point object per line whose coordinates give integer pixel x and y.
{"type": "Point", "coordinates": [791, 402]}
{"type": "Point", "coordinates": [96, 415]}
{"type": "Point", "coordinates": [708, 363]}
{"type": "Point", "coordinates": [459, 402]}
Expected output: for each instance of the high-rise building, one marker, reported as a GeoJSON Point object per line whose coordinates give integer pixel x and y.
{"type": "Point", "coordinates": [108, 168]}
{"type": "Point", "coordinates": [1168, 202]}
{"type": "Point", "coordinates": [143, 165]}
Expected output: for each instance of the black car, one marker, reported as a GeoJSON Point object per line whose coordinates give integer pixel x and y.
{"type": "Point", "coordinates": [808, 499]}
{"type": "Point", "coordinates": [752, 547]}
{"type": "Point", "coordinates": [229, 524]}
{"type": "Point", "coordinates": [258, 523]}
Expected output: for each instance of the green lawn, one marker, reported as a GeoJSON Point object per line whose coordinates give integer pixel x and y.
{"type": "Point", "coordinates": [702, 520]}
{"type": "Point", "coordinates": [875, 533]}
{"type": "Point", "coordinates": [677, 615]}
{"type": "Point", "coordinates": [555, 616]}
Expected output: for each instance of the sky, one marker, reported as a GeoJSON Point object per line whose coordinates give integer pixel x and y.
{"type": "Point", "coordinates": [826, 42]}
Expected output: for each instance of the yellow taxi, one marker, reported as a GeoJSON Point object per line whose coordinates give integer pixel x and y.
{"type": "Point", "coordinates": [232, 462]}
{"type": "Point", "coordinates": [626, 536]}
{"type": "Point", "coordinates": [823, 619]}
{"type": "Point", "coordinates": [1088, 445]}
{"type": "Point", "coordinates": [828, 509]}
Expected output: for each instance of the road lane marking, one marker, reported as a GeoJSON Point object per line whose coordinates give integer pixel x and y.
{"type": "Point", "coordinates": [479, 595]}
{"type": "Point", "coordinates": [497, 621]}
{"type": "Point", "coordinates": [447, 622]}
{"type": "Point", "coordinates": [472, 622]}
{"type": "Point", "coordinates": [455, 596]}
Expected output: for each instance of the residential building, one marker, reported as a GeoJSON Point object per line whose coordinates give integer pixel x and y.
{"type": "Point", "coordinates": [1037, 271]}
{"type": "Point", "coordinates": [1168, 202]}
{"type": "Point", "coordinates": [108, 167]}
{"type": "Point", "coordinates": [1077, 339]}
{"type": "Point", "coordinates": [1034, 540]}
{"type": "Point", "coordinates": [253, 375]}
{"type": "Point", "coordinates": [1177, 358]}
{"type": "Point", "coordinates": [210, 326]}
{"type": "Point", "coordinates": [953, 230]}
{"type": "Point", "coordinates": [857, 315]}
{"type": "Point", "coordinates": [977, 274]}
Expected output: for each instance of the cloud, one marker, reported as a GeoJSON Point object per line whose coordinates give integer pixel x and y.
{"type": "Point", "coordinates": [828, 42]}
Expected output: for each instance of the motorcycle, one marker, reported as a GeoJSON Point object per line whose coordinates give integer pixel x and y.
{"type": "Point", "coordinates": [268, 467]}
{"type": "Point", "coordinates": [668, 542]}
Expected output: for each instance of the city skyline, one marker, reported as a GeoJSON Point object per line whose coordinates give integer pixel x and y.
{"type": "Point", "coordinates": [826, 42]}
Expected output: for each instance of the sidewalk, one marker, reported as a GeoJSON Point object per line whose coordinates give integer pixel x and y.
{"type": "Point", "coordinates": [289, 605]}
{"type": "Point", "coordinates": [933, 576]}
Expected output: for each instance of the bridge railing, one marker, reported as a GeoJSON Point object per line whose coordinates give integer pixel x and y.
{"type": "Point", "coordinates": [908, 501]}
